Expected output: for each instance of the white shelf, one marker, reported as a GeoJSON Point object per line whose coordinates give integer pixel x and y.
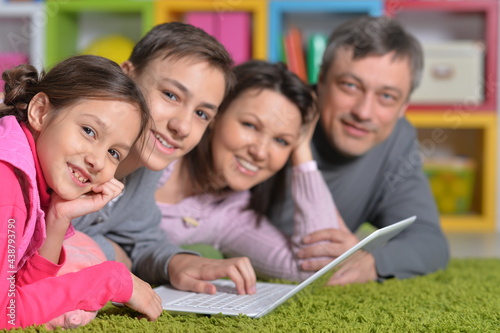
{"type": "Point", "coordinates": [23, 30]}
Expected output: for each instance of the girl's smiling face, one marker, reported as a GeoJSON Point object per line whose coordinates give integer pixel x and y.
{"type": "Point", "coordinates": [81, 146]}
{"type": "Point", "coordinates": [254, 138]}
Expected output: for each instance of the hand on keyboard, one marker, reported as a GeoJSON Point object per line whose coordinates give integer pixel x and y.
{"type": "Point", "coordinates": [192, 273]}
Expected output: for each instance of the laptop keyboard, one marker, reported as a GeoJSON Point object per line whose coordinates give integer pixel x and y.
{"type": "Point", "coordinates": [227, 298]}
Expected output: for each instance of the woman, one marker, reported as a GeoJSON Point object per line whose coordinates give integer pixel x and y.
{"type": "Point", "coordinates": [219, 192]}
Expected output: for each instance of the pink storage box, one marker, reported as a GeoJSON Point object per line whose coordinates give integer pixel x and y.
{"type": "Point", "coordinates": [9, 60]}
{"type": "Point", "coordinates": [232, 29]}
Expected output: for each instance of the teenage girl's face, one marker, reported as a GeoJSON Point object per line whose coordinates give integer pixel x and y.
{"type": "Point", "coordinates": [254, 138]}
{"type": "Point", "coordinates": [184, 96]}
{"type": "Point", "coordinates": [82, 146]}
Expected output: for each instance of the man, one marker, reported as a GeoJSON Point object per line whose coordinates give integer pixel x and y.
{"type": "Point", "coordinates": [369, 156]}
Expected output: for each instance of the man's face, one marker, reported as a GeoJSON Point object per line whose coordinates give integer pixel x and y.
{"type": "Point", "coordinates": [361, 100]}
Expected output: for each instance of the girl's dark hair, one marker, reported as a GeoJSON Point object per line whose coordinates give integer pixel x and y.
{"type": "Point", "coordinates": [74, 79]}
{"type": "Point", "coordinates": [178, 40]}
{"type": "Point", "coordinates": [259, 75]}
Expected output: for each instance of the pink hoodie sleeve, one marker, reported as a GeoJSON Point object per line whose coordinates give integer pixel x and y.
{"type": "Point", "coordinates": [37, 268]}
{"type": "Point", "coordinates": [13, 217]}
{"type": "Point", "coordinates": [89, 289]}
{"type": "Point", "coordinates": [37, 298]}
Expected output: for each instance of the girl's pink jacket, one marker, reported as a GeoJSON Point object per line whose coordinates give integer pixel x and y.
{"type": "Point", "coordinates": [31, 292]}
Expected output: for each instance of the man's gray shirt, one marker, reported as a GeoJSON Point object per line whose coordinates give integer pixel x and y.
{"type": "Point", "coordinates": [382, 187]}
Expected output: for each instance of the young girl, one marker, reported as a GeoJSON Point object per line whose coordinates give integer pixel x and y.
{"type": "Point", "coordinates": [219, 193]}
{"type": "Point", "coordinates": [62, 136]}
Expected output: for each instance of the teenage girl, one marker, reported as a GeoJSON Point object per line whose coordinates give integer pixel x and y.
{"type": "Point", "coordinates": [185, 74]}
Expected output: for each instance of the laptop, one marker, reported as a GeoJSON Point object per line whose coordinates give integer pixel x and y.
{"type": "Point", "coordinates": [269, 295]}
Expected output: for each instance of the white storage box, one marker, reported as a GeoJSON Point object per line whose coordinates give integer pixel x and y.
{"type": "Point", "coordinates": [453, 73]}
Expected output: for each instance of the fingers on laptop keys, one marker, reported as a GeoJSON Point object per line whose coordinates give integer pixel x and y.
{"type": "Point", "coordinates": [241, 272]}
{"type": "Point", "coordinates": [193, 273]}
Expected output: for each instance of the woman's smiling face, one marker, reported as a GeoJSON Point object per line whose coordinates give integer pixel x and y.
{"type": "Point", "coordinates": [253, 139]}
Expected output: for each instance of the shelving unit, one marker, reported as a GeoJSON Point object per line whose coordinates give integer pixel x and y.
{"type": "Point", "coordinates": [169, 10]}
{"type": "Point", "coordinates": [53, 30]}
{"type": "Point", "coordinates": [23, 30]}
{"type": "Point", "coordinates": [311, 17]}
{"type": "Point", "coordinates": [469, 122]}
{"type": "Point", "coordinates": [74, 24]}
{"type": "Point", "coordinates": [470, 135]}
{"type": "Point", "coordinates": [455, 21]}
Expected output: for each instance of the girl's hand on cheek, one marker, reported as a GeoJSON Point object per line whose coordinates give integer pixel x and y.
{"type": "Point", "coordinates": [86, 203]}
{"type": "Point", "coordinates": [104, 193]}
{"type": "Point", "coordinates": [61, 212]}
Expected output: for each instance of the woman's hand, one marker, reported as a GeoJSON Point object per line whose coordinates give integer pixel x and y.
{"type": "Point", "coordinates": [190, 272]}
{"type": "Point", "coordinates": [144, 299]}
{"type": "Point", "coordinates": [302, 152]}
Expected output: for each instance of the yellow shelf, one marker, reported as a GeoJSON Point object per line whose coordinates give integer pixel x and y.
{"type": "Point", "coordinates": [440, 123]}
{"type": "Point", "coordinates": [170, 10]}
{"type": "Point", "coordinates": [468, 223]}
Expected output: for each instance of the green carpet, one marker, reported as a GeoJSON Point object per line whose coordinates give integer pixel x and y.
{"type": "Point", "coordinates": [463, 298]}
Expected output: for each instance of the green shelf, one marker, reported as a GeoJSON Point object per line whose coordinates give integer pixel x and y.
{"type": "Point", "coordinates": [72, 23]}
